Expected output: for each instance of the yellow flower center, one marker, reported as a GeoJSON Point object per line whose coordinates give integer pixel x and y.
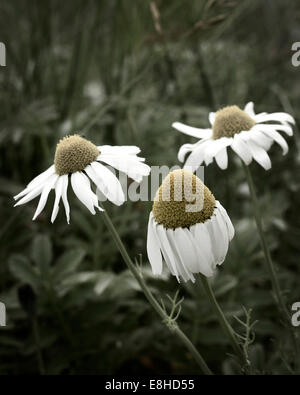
{"type": "Point", "coordinates": [74, 153]}
{"type": "Point", "coordinates": [182, 201]}
{"type": "Point", "coordinates": [231, 120]}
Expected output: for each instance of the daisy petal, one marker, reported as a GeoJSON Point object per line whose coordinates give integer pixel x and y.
{"type": "Point", "coordinates": [64, 196]}
{"type": "Point", "coordinates": [217, 240]}
{"type": "Point", "coordinates": [125, 149]}
{"type": "Point", "coordinates": [107, 182]}
{"type": "Point", "coordinates": [223, 237]}
{"type": "Point", "coordinates": [249, 109]}
{"type": "Point", "coordinates": [82, 189]}
{"type": "Point", "coordinates": [153, 248]}
{"type": "Point", "coordinates": [222, 159]}
{"type": "Point", "coordinates": [42, 177]}
{"type": "Point", "coordinates": [39, 180]}
{"type": "Point", "coordinates": [283, 128]}
{"type": "Point", "coordinates": [202, 238]}
{"type": "Point", "coordinates": [31, 195]}
{"type": "Point", "coordinates": [128, 164]}
{"type": "Point", "coordinates": [191, 131]}
{"type": "Point", "coordinates": [260, 138]}
{"type": "Point", "coordinates": [184, 149]}
{"type": "Point", "coordinates": [167, 250]}
{"type": "Point", "coordinates": [260, 155]}
{"type": "Point", "coordinates": [275, 117]}
{"type": "Point", "coordinates": [203, 265]}
{"type": "Point", "coordinates": [241, 149]}
{"type": "Point", "coordinates": [44, 196]}
{"type": "Point", "coordinates": [215, 147]}
{"type": "Point", "coordinates": [226, 219]}
{"type": "Point", "coordinates": [58, 192]}
{"type": "Point", "coordinates": [179, 261]}
{"type": "Point", "coordinates": [196, 157]}
{"type": "Point", "coordinates": [278, 138]}
{"type": "Point", "coordinates": [186, 249]}
{"type": "Point", "coordinates": [212, 117]}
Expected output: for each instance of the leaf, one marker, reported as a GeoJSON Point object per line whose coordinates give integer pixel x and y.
{"type": "Point", "coordinates": [42, 253]}
{"type": "Point", "coordinates": [21, 269]}
{"type": "Point", "coordinates": [75, 280]}
{"type": "Point", "coordinates": [67, 264]}
{"type": "Point", "coordinates": [105, 279]}
{"type": "Point", "coordinates": [225, 284]}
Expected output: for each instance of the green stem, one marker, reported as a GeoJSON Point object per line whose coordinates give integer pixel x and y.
{"type": "Point", "coordinates": [156, 306]}
{"type": "Point", "coordinates": [268, 259]}
{"type": "Point", "coordinates": [223, 321]}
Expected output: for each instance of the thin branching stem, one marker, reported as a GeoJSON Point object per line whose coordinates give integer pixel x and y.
{"type": "Point", "coordinates": [151, 299]}
{"type": "Point", "coordinates": [229, 332]}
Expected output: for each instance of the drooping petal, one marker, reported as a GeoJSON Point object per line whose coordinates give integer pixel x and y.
{"type": "Point", "coordinates": [44, 196]}
{"type": "Point", "coordinates": [31, 195]}
{"type": "Point", "coordinates": [191, 131]}
{"type": "Point", "coordinates": [215, 147]}
{"type": "Point", "coordinates": [58, 192]}
{"type": "Point", "coordinates": [186, 249]}
{"type": "Point", "coordinates": [222, 159]}
{"type": "Point", "coordinates": [275, 117]}
{"type": "Point", "coordinates": [179, 261]}
{"type": "Point", "coordinates": [166, 250]}
{"type": "Point", "coordinates": [184, 149]}
{"type": "Point", "coordinates": [64, 196]}
{"type": "Point", "coordinates": [223, 235]}
{"type": "Point", "coordinates": [196, 157]}
{"type": "Point", "coordinates": [260, 155]}
{"type": "Point", "coordinates": [260, 138]}
{"type": "Point", "coordinates": [276, 137]}
{"type": "Point", "coordinates": [283, 128]}
{"type": "Point", "coordinates": [82, 189]}
{"type": "Point", "coordinates": [202, 264]}
{"type": "Point", "coordinates": [115, 150]}
{"type": "Point", "coordinates": [128, 164]}
{"type": "Point", "coordinates": [39, 180]}
{"type": "Point", "coordinates": [202, 238]}
{"type": "Point", "coordinates": [217, 240]}
{"type": "Point", "coordinates": [107, 182]}
{"type": "Point", "coordinates": [42, 177]}
{"type": "Point", "coordinates": [240, 148]}
{"type": "Point", "coordinates": [226, 219]}
{"type": "Point", "coordinates": [153, 248]}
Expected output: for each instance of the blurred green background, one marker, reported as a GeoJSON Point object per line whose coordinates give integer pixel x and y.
{"type": "Point", "coordinates": [120, 72]}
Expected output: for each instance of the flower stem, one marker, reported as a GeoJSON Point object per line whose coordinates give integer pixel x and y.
{"type": "Point", "coordinates": [268, 259]}
{"type": "Point", "coordinates": [151, 299]}
{"type": "Point", "coordinates": [223, 322]}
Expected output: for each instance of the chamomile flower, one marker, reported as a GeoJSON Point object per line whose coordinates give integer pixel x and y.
{"type": "Point", "coordinates": [78, 160]}
{"type": "Point", "coordinates": [247, 133]}
{"type": "Point", "coordinates": [188, 227]}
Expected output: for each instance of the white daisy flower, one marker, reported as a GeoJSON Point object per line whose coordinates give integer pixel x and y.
{"type": "Point", "coordinates": [189, 241]}
{"type": "Point", "coordinates": [80, 160]}
{"type": "Point", "coordinates": [244, 131]}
